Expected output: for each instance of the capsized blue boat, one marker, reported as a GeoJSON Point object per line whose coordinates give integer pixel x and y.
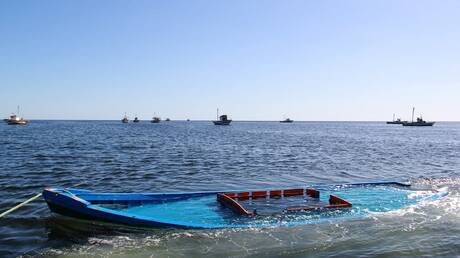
{"type": "Point", "coordinates": [237, 209]}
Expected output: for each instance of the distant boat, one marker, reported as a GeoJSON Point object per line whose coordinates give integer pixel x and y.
{"type": "Point", "coordinates": [287, 120]}
{"type": "Point", "coordinates": [15, 119]}
{"type": "Point", "coordinates": [155, 120]}
{"type": "Point", "coordinates": [125, 119]}
{"type": "Point", "coordinates": [222, 120]}
{"type": "Point", "coordinates": [167, 120]}
{"type": "Point", "coordinates": [396, 122]}
{"type": "Point", "coordinates": [188, 120]}
{"type": "Point", "coordinates": [418, 122]}
{"type": "Point", "coordinates": [136, 120]}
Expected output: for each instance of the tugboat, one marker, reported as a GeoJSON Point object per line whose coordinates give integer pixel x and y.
{"type": "Point", "coordinates": [136, 120]}
{"type": "Point", "coordinates": [222, 120]}
{"type": "Point", "coordinates": [396, 122]}
{"type": "Point", "coordinates": [419, 122]}
{"type": "Point", "coordinates": [16, 120]}
{"type": "Point", "coordinates": [155, 120]}
{"type": "Point", "coordinates": [287, 120]}
{"type": "Point", "coordinates": [125, 120]}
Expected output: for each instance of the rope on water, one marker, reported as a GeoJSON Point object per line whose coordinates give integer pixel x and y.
{"type": "Point", "coordinates": [27, 201]}
{"type": "Point", "coordinates": [20, 205]}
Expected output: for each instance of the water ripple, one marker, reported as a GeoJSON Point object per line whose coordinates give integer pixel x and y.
{"type": "Point", "coordinates": [193, 156]}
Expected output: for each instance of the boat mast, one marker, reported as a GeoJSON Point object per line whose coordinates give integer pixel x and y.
{"type": "Point", "coordinates": [413, 110]}
{"type": "Point", "coordinates": [393, 117]}
{"type": "Point", "coordinates": [217, 113]}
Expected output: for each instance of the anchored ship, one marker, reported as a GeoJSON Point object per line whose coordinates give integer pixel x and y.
{"type": "Point", "coordinates": [155, 120]}
{"type": "Point", "coordinates": [222, 120]}
{"type": "Point", "coordinates": [125, 119]}
{"type": "Point", "coordinates": [287, 120]}
{"type": "Point", "coordinates": [418, 122]}
{"type": "Point", "coordinates": [15, 119]}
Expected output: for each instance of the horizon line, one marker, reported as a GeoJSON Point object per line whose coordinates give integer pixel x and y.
{"type": "Point", "coordinates": [209, 120]}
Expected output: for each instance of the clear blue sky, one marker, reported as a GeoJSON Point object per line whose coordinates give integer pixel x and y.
{"type": "Point", "coordinates": [256, 60]}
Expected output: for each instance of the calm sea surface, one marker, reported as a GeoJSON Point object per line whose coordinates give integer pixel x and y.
{"type": "Point", "coordinates": [190, 156]}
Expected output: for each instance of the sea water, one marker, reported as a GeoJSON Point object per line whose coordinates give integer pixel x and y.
{"type": "Point", "coordinates": [196, 156]}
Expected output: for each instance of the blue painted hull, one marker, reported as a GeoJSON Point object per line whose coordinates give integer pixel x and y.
{"type": "Point", "coordinates": [201, 210]}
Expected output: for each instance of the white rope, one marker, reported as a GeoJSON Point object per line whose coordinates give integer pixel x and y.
{"type": "Point", "coordinates": [20, 205]}
{"type": "Point", "coordinates": [27, 201]}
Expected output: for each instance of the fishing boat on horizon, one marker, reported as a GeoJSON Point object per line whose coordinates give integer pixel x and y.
{"type": "Point", "coordinates": [418, 122]}
{"type": "Point", "coordinates": [287, 120]}
{"type": "Point", "coordinates": [237, 209]}
{"type": "Point", "coordinates": [136, 120]}
{"type": "Point", "coordinates": [15, 119]}
{"type": "Point", "coordinates": [222, 120]}
{"type": "Point", "coordinates": [396, 121]}
{"type": "Point", "coordinates": [155, 120]}
{"type": "Point", "coordinates": [125, 119]}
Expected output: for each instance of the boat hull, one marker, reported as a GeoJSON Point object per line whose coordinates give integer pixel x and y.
{"type": "Point", "coordinates": [202, 209]}
{"type": "Point", "coordinates": [419, 124]}
{"type": "Point", "coordinates": [227, 122]}
{"type": "Point", "coordinates": [66, 205]}
{"type": "Point", "coordinates": [17, 122]}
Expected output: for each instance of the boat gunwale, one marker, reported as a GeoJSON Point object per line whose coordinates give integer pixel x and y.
{"type": "Point", "coordinates": [317, 186]}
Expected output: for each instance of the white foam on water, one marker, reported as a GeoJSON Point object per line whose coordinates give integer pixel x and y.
{"type": "Point", "coordinates": [442, 201]}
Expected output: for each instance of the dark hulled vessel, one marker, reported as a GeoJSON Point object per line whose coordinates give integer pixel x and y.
{"type": "Point", "coordinates": [418, 122]}
{"type": "Point", "coordinates": [287, 120]}
{"type": "Point", "coordinates": [222, 120]}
